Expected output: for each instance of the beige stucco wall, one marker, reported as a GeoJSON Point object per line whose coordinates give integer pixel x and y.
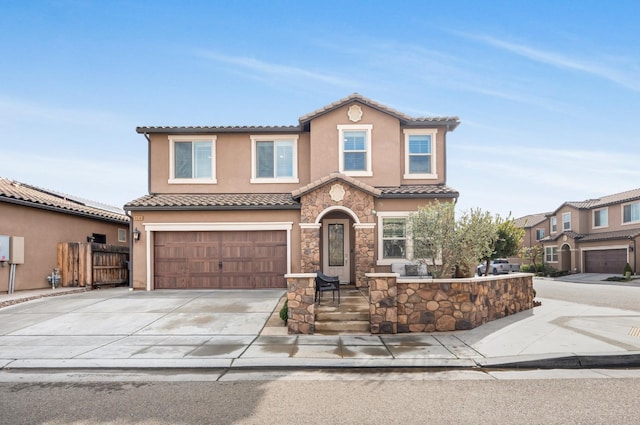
{"type": "Point", "coordinates": [233, 167]}
{"type": "Point", "coordinates": [144, 218]}
{"type": "Point", "coordinates": [42, 231]}
{"type": "Point", "coordinates": [318, 156]}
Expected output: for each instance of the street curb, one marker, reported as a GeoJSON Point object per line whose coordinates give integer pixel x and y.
{"type": "Point", "coordinates": [563, 361]}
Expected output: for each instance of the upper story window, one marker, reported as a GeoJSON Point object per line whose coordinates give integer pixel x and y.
{"type": "Point", "coordinates": [192, 159]}
{"type": "Point", "coordinates": [566, 221]}
{"type": "Point", "coordinates": [554, 224]}
{"type": "Point", "coordinates": [274, 159]}
{"type": "Point", "coordinates": [355, 150]}
{"type": "Point", "coordinates": [539, 234]}
{"type": "Point", "coordinates": [631, 213]}
{"type": "Point", "coordinates": [601, 218]}
{"type": "Point", "coordinates": [420, 154]}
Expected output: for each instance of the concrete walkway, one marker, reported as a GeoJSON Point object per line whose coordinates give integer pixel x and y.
{"type": "Point", "coordinates": [117, 328]}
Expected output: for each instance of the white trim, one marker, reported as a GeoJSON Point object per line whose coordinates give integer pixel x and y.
{"type": "Point", "coordinates": [293, 138]}
{"type": "Point", "coordinates": [172, 165]}
{"type": "Point", "coordinates": [218, 227]}
{"type": "Point", "coordinates": [604, 247]}
{"type": "Point", "coordinates": [309, 225]}
{"type": "Point", "coordinates": [213, 227]}
{"type": "Point", "coordinates": [593, 218]}
{"type": "Point", "coordinates": [355, 127]}
{"type": "Point", "coordinates": [337, 208]}
{"type": "Point", "coordinates": [123, 232]}
{"type": "Point", "coordinates": [364, 225]}
{"type": "Point", "coordinates": [433, 132]}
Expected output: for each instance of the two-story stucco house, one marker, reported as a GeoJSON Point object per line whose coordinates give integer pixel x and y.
{"type": "Point", "coordinates": [240, 207]}
{"type": "Point", "coordinates": [593, 236]}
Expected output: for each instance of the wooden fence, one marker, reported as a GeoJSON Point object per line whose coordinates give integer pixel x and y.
{"type": "Point", "coordinates": [93, 264]}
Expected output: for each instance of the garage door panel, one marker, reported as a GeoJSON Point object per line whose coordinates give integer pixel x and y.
{"type": "Point", "coordinates": [605, 261]}
{"type": "Point", "coordinates": [220, 260]}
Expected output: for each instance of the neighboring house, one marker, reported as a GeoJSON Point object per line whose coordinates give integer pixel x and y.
{"type": "Point", "coordinates": [241, 207]}
{"type": "Point", "coordinates": [44, 218]}
{"type": "Point", "coordinates": [594, 236]}
{"type": "Point", "coordinates": [536, 228]}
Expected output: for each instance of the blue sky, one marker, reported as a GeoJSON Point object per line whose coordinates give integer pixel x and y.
{"type": "Point", "coordinates": [548, 93]}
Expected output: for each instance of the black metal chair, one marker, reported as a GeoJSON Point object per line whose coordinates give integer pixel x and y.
{"type": "Point", "coordinates": [326, 283]}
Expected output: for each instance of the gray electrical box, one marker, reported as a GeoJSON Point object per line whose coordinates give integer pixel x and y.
{"type": "Point", "coordinates": [4, 248]}
{"type": "Point", "coordinates": [16, 250]}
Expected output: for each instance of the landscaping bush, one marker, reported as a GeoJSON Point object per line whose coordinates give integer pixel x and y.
{"type": "Point", "coordinates": [284, 312]}
{"type": "Point", "coordinates": [627, 271]}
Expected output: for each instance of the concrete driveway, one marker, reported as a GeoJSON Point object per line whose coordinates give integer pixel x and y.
{"type": "Point", "coordinates": [120, 324]}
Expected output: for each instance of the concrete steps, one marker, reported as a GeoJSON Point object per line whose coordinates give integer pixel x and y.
{"type": "Point", "coordinates": [350, 317]}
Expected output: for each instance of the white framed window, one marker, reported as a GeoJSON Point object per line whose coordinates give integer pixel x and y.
{"type": "Point", "coordinates": [420, 154]}
{"type": "Point", "coordinates": [601, 218]}
{"type": "Point", "coordinates": [566, 221]}
{"type": "Point", "coordinates": [539, 234]}
{"type": "Point", "coordinates": [274, 159]}
{"type": "Point", "coordinates": [554, 224]}
{"type": "Point", "coordinates": [122, 235]}
{"type": "Point", "coordinates": [631, 213]}
{"type": "Point", "coordinates": [355, 149]}
{"type": "Point", "coordinates": [395, 244]}
{"type": "Point", "coordinates": [551, 254]}
{"type": "Point", "coordinates": [192, 159]}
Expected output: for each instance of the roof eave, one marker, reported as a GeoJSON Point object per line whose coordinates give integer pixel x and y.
{"type": "Point", "coordinates": [218, 130]}
{"type": "Point", "coordinates": [62, 210]}
{"type": "Point", "coordinates": [211, 207]}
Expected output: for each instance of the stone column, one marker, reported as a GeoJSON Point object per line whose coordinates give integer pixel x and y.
{"type": "Point", "coordinates": [383, 303]}
{"type": "Point", "coordinates": [309, 247]}
{"type": "Point", "coordinates": [364, 250]}
{"type": "Point", "coordinates": [301, 301]}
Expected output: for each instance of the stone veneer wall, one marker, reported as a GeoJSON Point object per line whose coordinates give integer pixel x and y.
{"type": "Point", "coordinates": [436, 305]}
{"type": "Point", "coordinates": [356, 200]}
{"type": "Point", "coordinates": [301, 301]}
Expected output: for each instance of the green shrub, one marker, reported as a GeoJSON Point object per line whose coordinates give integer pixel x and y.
{"type": "Point", "coordinates": [627, 269]}
{"type": "Point", "coordinates": [284, 312]}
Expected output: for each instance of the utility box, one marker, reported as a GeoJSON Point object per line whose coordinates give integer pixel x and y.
{"type": "Point", "coordinates": [4, 248]}
{"type": "Point", "coordinates": [16, 250]}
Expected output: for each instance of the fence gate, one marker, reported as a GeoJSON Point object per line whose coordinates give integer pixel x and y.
{"type": "Point", "coordinates": [93, 264]}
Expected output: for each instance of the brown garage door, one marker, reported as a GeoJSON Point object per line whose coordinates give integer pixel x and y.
{"type": "Point", "coordinates": [605, 261]}
{"type": "Point", "coordinates": [220, 260]}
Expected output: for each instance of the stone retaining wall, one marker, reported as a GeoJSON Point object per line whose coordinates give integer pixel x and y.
{"type": "Point", "coordinates": [300, 298]}
{"type": "Point", "coordinates": [438, 305]}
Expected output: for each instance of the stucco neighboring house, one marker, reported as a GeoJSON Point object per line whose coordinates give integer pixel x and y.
{"type": "Point", "coordinates": [536, 227]}
{"type": "Point", "coordinates": [241, 207]}
{"type": "Point", "coordinates": [41, 219]}
{"type": "Point", "coordinates": [594, 236]}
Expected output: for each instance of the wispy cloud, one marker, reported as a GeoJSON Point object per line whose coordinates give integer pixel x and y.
{"type": "Point", "coordinates": [275, 70]}
{"type": "Point", "coordinates": [15, 109]}
{"type": "Point", "coordinates": [628, 79]}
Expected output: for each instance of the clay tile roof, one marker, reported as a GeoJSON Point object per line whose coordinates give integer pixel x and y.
{"type": "Point", "coordinates": [331, 178]}
{"type": "Point", "coordinates": [530, 220]}
{"type": "Point", "coordinates": [451, 121]}
{"type": "Point", "coordinates": [621, 234]}
{"type": "Point", "coordinates": [218, 129]}
{"type": "Point", "coordinates": [616, 198]}
{"type": "Point", "coordinates": [23, 194]}
{"type": "Point", "coordinates": [426, 191]}
{"type": "Point", "coordinates": [214, 201]}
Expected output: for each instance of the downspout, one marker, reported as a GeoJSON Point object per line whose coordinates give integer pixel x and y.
{"type": "Point", "coordinates": [130, 249]}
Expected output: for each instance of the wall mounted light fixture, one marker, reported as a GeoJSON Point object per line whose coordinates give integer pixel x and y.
{"type": "Point", "coordinates": [136, 235]}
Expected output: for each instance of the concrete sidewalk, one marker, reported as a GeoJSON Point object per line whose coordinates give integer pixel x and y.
{"type": "Point", "coordinates": [119, 329]}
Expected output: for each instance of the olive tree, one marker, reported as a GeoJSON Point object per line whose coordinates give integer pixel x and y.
{"type": "Point", "coordinates": [508, 240]}
{"type": "Point", "coordinates": [446, 244]}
